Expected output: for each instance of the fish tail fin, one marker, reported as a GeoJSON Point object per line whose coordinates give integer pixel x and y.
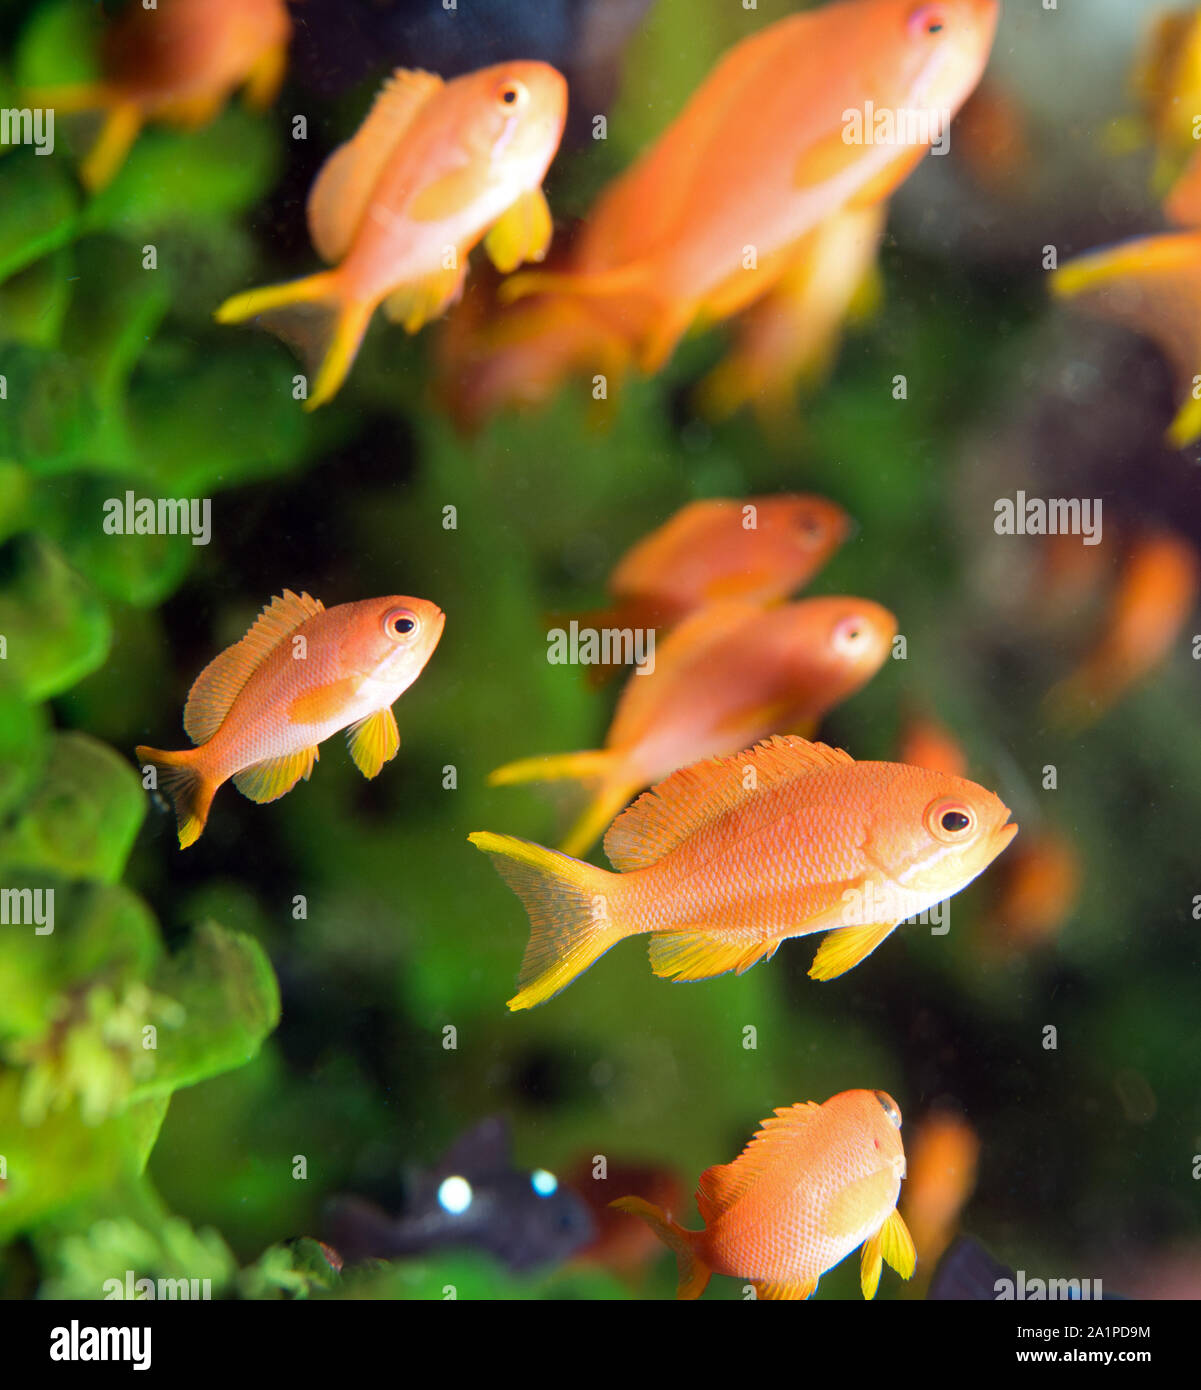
{"type": "Point", "coordinates": [315, 318]}
{"type": "Point", "coordinates": [610, 800]}
{"type": "Point", "coordinates": [694, 1273]}
{"type": "Point", "coordinates": [191, 792]}
{"type": "Point", "coordinates": [70, 98]}
{"type": "Point", "coordinates": [601, 284]}
{"type": "Point", "coordinates": [569, 904]}
{"type": "Point", "coordinates": [556, 768]}
{"type": "Point", "coordinates": [123, 120]}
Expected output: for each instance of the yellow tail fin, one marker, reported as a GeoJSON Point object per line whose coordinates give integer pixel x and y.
{"type": "Point", "coordinates": [555, 768]}
{"type": "Point", "coordinates": [123, 120]}
{"type": "Point", "coordinates": [190, 791]}
{"type": "Point", "coordinates": [315, 319]}
{"type": "Point", "coordinates": [571, 925]}
{"type": "Point", "coordinates": [694, 1273]}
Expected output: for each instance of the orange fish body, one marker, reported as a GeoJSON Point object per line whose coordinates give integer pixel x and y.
{"type": "Point", "coordinates": [1037, 890]}
{"type": "Point", "coordinates": [927, 743]}
{"type": "Point", "coordinates": [815, 1183]}
{"type": "Point", "coordinates": [943, 1158]}
{"type": "Point", "coordinates": [727, 858]}
{"type": "Point", "coordinates": [258, 711]}
{"type": "Point", "coordinates": [177, 62]}
{"type": "Point", "coordinates": [762, 152]}
{"type": "Point", "coordinates": [730, 675]}
{"type": "Point", "coordinates": [1156, 591]}
{"type": "Point", "coordinates": [435, 168]}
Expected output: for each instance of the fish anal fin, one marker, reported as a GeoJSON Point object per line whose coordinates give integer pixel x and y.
{"type": "Point", "coordinates": [775, 1291]}
{"type": "Point", "coordinates": [414, 305]}
{"type": "Point", "coordinates": [219, 684]}
{"type": "Point", "coordinates": [845, 947]}
{"type": "Point", "coordinates": [668, 814]}
{"type": "Point", "coordinates": [275, 777]}
{"type": "Point", "coordinates": [323, 702]}
{"type": "Point", "coordinates": [343, 187]}
{"type": "Point", "coordinates": [374, 741]}
{"type": "Point", "coordinates": [687, 956]}
{"type": "Point", "coordinates": [522, 233]}
{"type": "Point", "coordinates": [870, 1264]}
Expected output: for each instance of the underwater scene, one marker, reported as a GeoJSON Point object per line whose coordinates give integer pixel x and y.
{"type": "Point", "coordinates": [599, 651]}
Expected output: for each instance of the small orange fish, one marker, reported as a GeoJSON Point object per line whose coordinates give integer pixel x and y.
{"type": "Point", "coordinates": [178, 61]}
{"type": "Point", "coordinates": [726, 859]}
{"type": "Point", "coordinates": [759, 549]}
{"type": "Point", "coordinates": [435, 168]}
{"type": "Point", "coordinates": [623, 1247]}
{"type": "Point", "coordinates": [258, 710]}
{"type": "Point", "coordinates": [815, 1183]}
{"type": "Point", "coordinates": [728, 676]}
{"type": "Point", "coordinates": [1036, 892]}
{"type": "Point", "coordinates": [711, 215]}
{"type": "Point", "coordinates": [791, 335]}
{"type": "Point", "coordinates": [992, 140]}
{"type": "Point", "coordinates": [927, 743]}
{"type": "Point", "coordinates": [943, 1158]}
{"type": "Point", "coordinates": [1156, 591]}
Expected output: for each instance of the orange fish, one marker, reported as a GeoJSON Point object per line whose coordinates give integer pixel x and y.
{"type": "Point", "coordinates": [1167, 81]}
{"type": "Point", "coordinates": [1153, 286]}
{"type": "Point", "coordinates": [621, 1246]}
{"type": "Point", "coordinates": [709, 218]}
{"type": "Point", "coordinates": [177, 62]}
{"type": "Point", "coordinates": [435, 168]}
{"type": "Point", "coordinates": [942, 1175]}
{"type": "Point", "coordinates": [790, 336]}
{"type": "Point", "coordinates": [759, 549]}
{"type": "Point", "coordinates": [1037, 889]}
{"type": "Point", "coordinates": [728, 676]}
{"type": "Point", "coordinates": [258, 710]}
{"type": "Point", "coordinates": [927, 743]}
{"type": "Point", "coordinates": [992, 139]}
{"type": "Point", "coordinates": [1156, 591]}
{"type": "Point", "coordinates": [815, 1183]}
{"type": "Point", "coordinates": [726, 859]}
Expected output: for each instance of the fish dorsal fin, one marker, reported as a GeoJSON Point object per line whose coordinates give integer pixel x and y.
{"type": "Point", "coordinates": [219, 684]}
{"type": "Point", "coordinates": [340, 195]}
{"type": "Point", "coordinates": [722, 1185]}
{"type": "Point", "coordinates": [669, 813]}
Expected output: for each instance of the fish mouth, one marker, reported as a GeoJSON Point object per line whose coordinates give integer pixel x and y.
{"type": "Point", "coordinates": [1007, 832]}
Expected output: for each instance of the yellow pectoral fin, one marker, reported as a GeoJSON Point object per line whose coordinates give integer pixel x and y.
{"type": "Point", "coordinates": [800, 1290]}
{"type": "Point", "coordinates": [416, 304]}
{"type": "Point", "coordinates": [684, 956]}
{"type": "Point", "coordinates": [870, 1265]}
{"type": "Point", "coordinates": [845, 947]}
{"type": "Point", "coordinates": [275, 777]}
{"type": "Point", "coordinates": [324, 702]}
{"type": "Point", "coordinates": [374, 741]}
{"type": "Point", "coordinates": [896, 1245]}
{"type": "Point", "coordinates": [522, 233]}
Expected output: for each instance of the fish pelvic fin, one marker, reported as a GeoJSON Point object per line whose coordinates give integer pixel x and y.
{"type": "Point", "coordinates": [694, 1273]}
{"type": "Point", "coordinates": [568, 902]}
{"type": "Point", "coordinates": [891, 1243]}
{"type": "Point", "coordinates": [845, 947]}
{"type": "Point", "coordinates": [557, 767]}
{"type": "Point", "coordinates": [315, 318]}
{"type": "Point", "coordinates": [191, 792]}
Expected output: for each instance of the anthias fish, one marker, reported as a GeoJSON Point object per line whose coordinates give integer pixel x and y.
{"type": "Point", "coordinates": [726, 859]}
{"type": "Point", "coordinates": [762, 152]}
{"type": "Point", "coordinates": [435, 168]}
{"type": "Point", "coordinates": [728, 676]}
{"type": "Point", "coordinates": [815, 1183]}
{"type": "Point", "coordinates": [943, 1157]}
{"type": "Point", "coordinates": [177, 61]}
{"type": "Point", "coordinates": [258, 710]}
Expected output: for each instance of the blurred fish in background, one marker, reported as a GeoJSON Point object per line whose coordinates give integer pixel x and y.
{"type": "Point", "coordinates": [943, 1154]}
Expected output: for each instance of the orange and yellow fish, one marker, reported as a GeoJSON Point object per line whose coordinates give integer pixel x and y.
{"type": "Point", "coordinates": [435, 168]}
{"type": "Point", "coordinates": [728, 676]}
{"type": "Point", "coordinates": [724, 860]}
{"type": "Point", "coordinates": [943, 1159]}
{"type": "Point", "coordinates": [1167, 82]}
{"type": "Point", "coordinates": [759, 549]}
{"type": "Point", "coordinates": [712, 215]}
{"type": "Point", "coordinates": [178, 62]}
{"type": "Point", "coordinates": [814, 1184]}
{"type": "Point", "coordinates": [258, 710]}
{"type": "Point", "coordinates": [927, 743]}
{"type": "Point", "coordinates": [1036, 892]}
{"type": "Point", "coordinates": [1156, 591]}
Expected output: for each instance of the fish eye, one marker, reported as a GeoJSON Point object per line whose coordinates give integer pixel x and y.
{"type": "Point", "coordinates": [809, 526]}
{"type": "Point", "coordinates": [891, 1108]}
{"type": "Point", "coordinates": [513, 94]}
{"type": "Point", "coordinates": [950, 821]}
{"type": "Point", "coordinates": [849, 636]}
{"type": "Point", "coordinates": [401, 623]}
{"type": "Point", "coordinates": [927, 19]}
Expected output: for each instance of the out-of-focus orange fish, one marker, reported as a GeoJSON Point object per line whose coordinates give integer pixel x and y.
{"type": "Point", "coordinates": [710, 217]}
{"type": "Point", "coordinates": [728, 676]}
{"type": "Point", "coordinates": [992, 140]}
{"type": "Point", "coordinates": [790, 336]}
{"type": "Point", "coordinates": [623, 1247]}
{"type": "Point", "coordinates": [1156, 591]}
{"type": "Point", "coordinates": [943, 1157]}
{"type": "Point", "coordinates": [927, 743]}
{"type": "Point", "coordinates": [759, 549]}
{"type": "Point", "coordinates": [815, 1183]}
{"type": "Point", "coordinates": [258, 710]}
{"type": "Point", "coordinates": [177, 62]}
{"type": "Point", "coordinates": [1153, 286]}
{"type": "Point", "coordinates": [435, 168]}
{"type": "Point", "coordinates": [1036, 892]}
{"type": "Point", "coordinates": [1167, 82]}
{"type": "Point", "coordinates": [726, 859]}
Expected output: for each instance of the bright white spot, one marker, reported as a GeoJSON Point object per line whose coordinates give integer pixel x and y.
{"type": "Point", "coordinates": [544, 1184]}
{"type": "Point", "coordinates": [454, 1195]}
